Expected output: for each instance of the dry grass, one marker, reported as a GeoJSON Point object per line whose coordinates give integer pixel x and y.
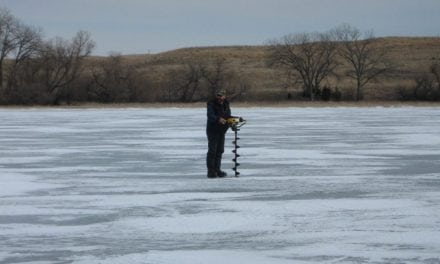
{"type": "Point", "coordinates": [410, 57]}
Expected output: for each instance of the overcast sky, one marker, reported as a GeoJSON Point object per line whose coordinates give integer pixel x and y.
{"type": "Point", "coordinates": [151, 26]}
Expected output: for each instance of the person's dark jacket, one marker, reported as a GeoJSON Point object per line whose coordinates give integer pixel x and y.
{"type": "Point", "coordinates": [216, 111]}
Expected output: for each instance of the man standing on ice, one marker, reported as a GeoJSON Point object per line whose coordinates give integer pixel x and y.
{"type": "Point", "coordinates": [216, 127]}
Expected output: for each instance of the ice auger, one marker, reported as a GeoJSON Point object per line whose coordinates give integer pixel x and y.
{"type": "Point", "coordinates": [235, 123]}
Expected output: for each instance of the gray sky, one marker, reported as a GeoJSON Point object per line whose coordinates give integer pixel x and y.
{"type": "Point", "coordinates": [142, 26]}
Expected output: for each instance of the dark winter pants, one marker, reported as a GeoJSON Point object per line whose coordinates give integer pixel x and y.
{"type": "Point", "coordinates": [216, 147]}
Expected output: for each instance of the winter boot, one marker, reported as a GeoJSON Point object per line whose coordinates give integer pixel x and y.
{"type": "Point", "coordinates": [212, 174]}
{"type": "Point", "coordinates": [218, 164]}
{"type": "Point", "coordinates": [221, 174]}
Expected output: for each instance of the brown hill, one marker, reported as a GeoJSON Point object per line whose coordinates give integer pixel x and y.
{"type": "Point", "coordinates": [410, 57]}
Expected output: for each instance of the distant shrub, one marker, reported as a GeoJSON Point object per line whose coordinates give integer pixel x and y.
{"type": "Point", "coordinates": [426, 88]}
{"type": "Point", "coordinates": [337, 95]}
{"type": "Point", "coordinates": [326, 93]}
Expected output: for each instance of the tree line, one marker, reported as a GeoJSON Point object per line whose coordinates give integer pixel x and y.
{"type": "Point", "coordinates": [315, 57]}
{"type": "Point", "coordinates": [310, 58]}
{"type": "Point", "coordinates": [58, 71]}
{"type": "Point", "coordinates": [38, 71]}
{"type": "Point", "coordinates": [33, 70]}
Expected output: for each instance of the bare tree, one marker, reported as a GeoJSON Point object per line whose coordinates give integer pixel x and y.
{"type": "Point", "coordinates": [114, 81]}
{"type": "Point", "coordinates": [27, 46]}
{"type": "Point", "coordinates": [310, 56]}
{"type": "Point", "coordinates": [215, 73]}
{"type": "Point", "coordinates": [28, 43]}
{"type": "Point", "coordinates": [8, 28]}
{"type": "Point", "coordinates": [359, 50]}
{"type": "Point", "coordinates": [219, 75]}
{"type": "Point", "coordinates": [185, 82]}
{"type": "Point", "coordinates": [435, 70]}
{"type": "Point", "coordinates": [198, 79]}
{"type": "Point", "coordinates": [427, 85]}
{"type": "Point", "coordinates": [18, 44]}
{"type": "Point", "coordinates": [61, 61]}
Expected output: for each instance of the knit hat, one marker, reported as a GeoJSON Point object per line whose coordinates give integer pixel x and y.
{"type": "Point", "coordinates": [220, 92]}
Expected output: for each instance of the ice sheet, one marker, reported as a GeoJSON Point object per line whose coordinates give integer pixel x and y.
{"type": "Point", "coordinates": [317, 185]}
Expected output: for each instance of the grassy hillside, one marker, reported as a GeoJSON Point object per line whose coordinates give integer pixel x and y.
{"type": "Point", "coordinates": [410, 57]}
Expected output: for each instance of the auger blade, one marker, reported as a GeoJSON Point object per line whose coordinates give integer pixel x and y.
{"type": "Point", "coordinates": [236, 128]}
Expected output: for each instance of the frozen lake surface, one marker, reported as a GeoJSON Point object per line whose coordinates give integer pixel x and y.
{"type": "Point", "coordinates": [317, 185]}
